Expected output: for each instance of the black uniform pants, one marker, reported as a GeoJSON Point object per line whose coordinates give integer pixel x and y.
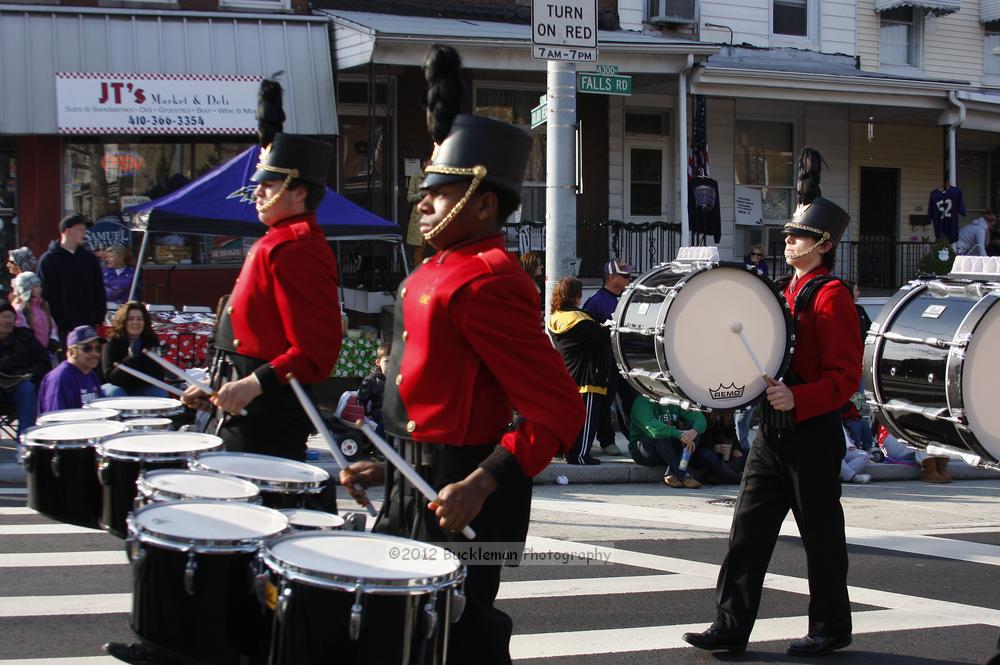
{"type": "Point", "coordinates": [482, 635]}
{"type": "Point", "coordinates": [796, 469]}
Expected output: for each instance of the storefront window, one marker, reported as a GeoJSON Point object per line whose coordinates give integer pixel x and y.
{"type": "Point", "coordinates": [364, 161]}
{"type": "Point", "coordinates": [765, 160]}
{"type": "Point", "coordinates": [105, 178]}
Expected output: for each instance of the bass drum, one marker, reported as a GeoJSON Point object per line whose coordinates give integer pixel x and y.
{"type": "Point", "coordinates": [673, 336]}
{"type": "Point", "coordinates": [932, 369]}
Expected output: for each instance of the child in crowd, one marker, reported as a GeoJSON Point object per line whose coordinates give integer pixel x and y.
{"type": "Point", "coordinates": [660, 434]}
{"type": "Point", "coordinates": [33, 312]}
{"type": "Point", "coordinates": [372, 389]}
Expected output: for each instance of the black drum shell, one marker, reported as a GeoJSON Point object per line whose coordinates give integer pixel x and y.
{"type": "Point", "coordinates": [74, 496]}
{"type": "Point", "coordinates": [118, 478]}
{"type": "Point", "coordinates": [222, 622]}
{"type": "Point", "coordinates": [281, 499]}
{"type": "Point", "coordinates": [313, 628]}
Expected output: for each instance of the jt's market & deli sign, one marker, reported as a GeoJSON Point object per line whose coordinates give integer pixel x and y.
{"type": "Point", "coordinates": [101, 103]}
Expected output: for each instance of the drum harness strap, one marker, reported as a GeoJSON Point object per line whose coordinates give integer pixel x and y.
{"type": "Point", "coordinates": [784, 421]}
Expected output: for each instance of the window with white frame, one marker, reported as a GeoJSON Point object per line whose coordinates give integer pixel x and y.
{"type": "Point", "coordinates": [765, 160]}
{"type": "Point", "coordinates": [513, 105]}
{"type": "Point", "coordinates": [991, 46]}
{"type": "Point", "coordinates": [899, 37]}
{"type": "Point", "coordinates": [790, 17]}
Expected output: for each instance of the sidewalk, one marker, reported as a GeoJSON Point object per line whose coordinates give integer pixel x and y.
{"type": "Point", "coordinates": [619, 469]}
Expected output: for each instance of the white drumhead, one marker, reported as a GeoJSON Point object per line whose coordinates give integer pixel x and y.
{"type": "Point", "coordinates": [981, 382]}
{"type": "Point", "coordinates": [75, 416]}
{"type": "Point", "coordinates": [165, 442]}
{"type": "Point", "coordinates": [148, 423]}
{"type": "Point", "coordinates": [134, 404]}
{"type": "Point", "coordinates": [312, 519]}
{"type": "Point", "coordinates": [82, 431]}
{"type": "Point", "coordinates": [199, 485]}
{"type": "Point", "coordinates": [209, 521]}
{"type": "Point", "coordinates": [705, 357]}
{"type": "Point", "coordinates": [364, 556]}
{"type": "Point", "coordinates": [263, 468]}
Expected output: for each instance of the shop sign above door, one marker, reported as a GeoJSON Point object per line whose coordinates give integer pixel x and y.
{"type": "Point", "coordinates": [101, 103]}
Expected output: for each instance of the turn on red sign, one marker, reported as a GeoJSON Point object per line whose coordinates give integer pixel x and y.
{"type": "Point", "coordinates": [564, 29]}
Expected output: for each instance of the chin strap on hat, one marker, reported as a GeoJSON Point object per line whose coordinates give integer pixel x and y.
{"type": "Point", "coordinates": [825, 237]}
{"type": "Point", "coordinates": [478, 173]}
{"type": "Point", "coordinates": [290, 174]}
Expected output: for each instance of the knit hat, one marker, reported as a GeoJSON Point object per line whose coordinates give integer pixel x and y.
{"type": "Point", "coordinates": [24, 283]}
{"type": "Point", "coordinates": [23, 257]}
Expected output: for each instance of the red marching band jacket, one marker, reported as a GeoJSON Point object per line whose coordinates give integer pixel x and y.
{"type": "Point", "coordinates": [284, 307]}
{"type": "Point", "coordinates": [471, 351]}
{"type": "Point", "coordinates": [827, 348]}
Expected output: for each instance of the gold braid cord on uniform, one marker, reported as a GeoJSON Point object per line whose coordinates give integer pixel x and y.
{"type": "Point", "coordinates": [290, 174]}
{"type": "Point", "coordinates": [477, 172]}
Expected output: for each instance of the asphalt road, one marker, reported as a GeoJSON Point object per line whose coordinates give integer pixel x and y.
{"type": "Point", "coordinates": [924, 579]}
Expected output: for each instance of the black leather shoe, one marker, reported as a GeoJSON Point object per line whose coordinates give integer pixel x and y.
{"type": "Point", "coordinates": [137, 653]}
{"type": "Point", "coordinates": [817, 645]}
{"type": "Point", "coordinates": [714, 639]}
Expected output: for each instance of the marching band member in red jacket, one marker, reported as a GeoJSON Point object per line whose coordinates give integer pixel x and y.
{"type": "Point", "coordinates": [467, 351]}
{"type": "Point", "coordinates": [796, 463]}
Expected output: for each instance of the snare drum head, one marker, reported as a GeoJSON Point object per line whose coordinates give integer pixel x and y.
{"type": "Point", "coordinates": [370, 558]}
{"type": "Point", "coordinates": [137, 405]}
{"type": "Point", "coordinates": [183, 483]}
{"type": "Point", "coordinates": [208, 521]}
{"type": "Point", "coordinates": [263, 468]}
{"type": "Point", "coordinates": [57, 433]}
{"type": "Point", "coordinates": [706, 359]}
{"type": "Point", "coordinates": [981, 382]}
{"type": "Point", "coordinates": [75, 416]}
{"type": "Point", "coordinates": [165, 443]}
{"type": "Point", "coordinates": [302, 518]}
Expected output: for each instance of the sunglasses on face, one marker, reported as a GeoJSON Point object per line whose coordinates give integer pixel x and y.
{"type": "Point", "coordinates": [89, 348]}
{"type": "Point", "coordinates": [756, 254]}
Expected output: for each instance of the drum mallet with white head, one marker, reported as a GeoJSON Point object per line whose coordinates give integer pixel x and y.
{"type": "Point", "coordinates": [173, 390]}
{"type": "Point", "coordinates": [392, 457]}
{"type": "Point", "coordinates": [317, 421]}
{"type": "Point", "coordinates": [181, 374]}
{"type": "Point", "coordinates": [738, 329]}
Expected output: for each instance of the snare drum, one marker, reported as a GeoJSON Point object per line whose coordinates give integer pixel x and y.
{"type": "Point", "coordinates": [148, 424]}
{"type": "Point", "coordinates": [343, 597]}
{"type": "Point", "coordinates": [139, 407]}
{"type": "Point", "coordinates": [59, 463]}
{"type": "Point", "coordinates": [76, 416]}
{"type": "Point", "coordinates": [193, 572]}
{"type": "Point", "coordinates": [932, 368]}
{"type": "Point", "coordinates": [124, 457]}
{"type": "Point", "coordinates": [673, 336]}
{"type": "Point", "coordinates": [176, 484]}
{"type": "Point", "coordinates": [283, 483]}
{"type": "Point", "coordinates": [302, 519]}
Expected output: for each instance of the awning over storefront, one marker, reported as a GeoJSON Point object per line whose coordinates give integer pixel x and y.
{"type": "Point", "coordinates": [937, 7]}
{"type": "Point", "coordinates": [989, 10]}
{"type": "Point", "coordinates": [36, 42]}
{"type": "Point", "coordinates": [363, 37]}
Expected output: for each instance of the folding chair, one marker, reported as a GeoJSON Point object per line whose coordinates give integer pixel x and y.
{"type": "Point", "coordinates": [8, 416]}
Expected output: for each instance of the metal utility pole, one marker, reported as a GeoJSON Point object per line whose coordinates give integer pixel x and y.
{"type": "Point", "coordinates": [560, 177]}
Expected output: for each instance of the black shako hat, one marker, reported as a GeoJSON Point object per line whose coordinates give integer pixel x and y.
{"type": "Point", "coordinates": [822, 219]}
{"type": "Point", "coordinates": [477, 141]}
{"type": "Point", "coordinates": [301, 157]}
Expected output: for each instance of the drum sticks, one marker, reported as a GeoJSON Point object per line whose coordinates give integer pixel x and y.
{"type": "Point", "coordinates": [173, 390]}
{"type": "Point", "coordinates": [320, 426]}
{"type": "Point", "coordinates": [394, 458]}
{"type": "Point", "coordinates": [737, 328]}
{"type": "Point", "coordinates": [178, 372]}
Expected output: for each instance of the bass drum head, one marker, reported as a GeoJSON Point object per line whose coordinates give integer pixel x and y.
{"type": "Point", "coordinates": [75, 416]}
{"type": "Point", "coordinates": [981, 382]}
{"type": "Point", "coordinates": [706, 359]}
{"type": "Point", "coordinates": [207, 522]}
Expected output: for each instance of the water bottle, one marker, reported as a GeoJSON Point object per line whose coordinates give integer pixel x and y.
{"type": "Point", "coordinates": [685, 458]}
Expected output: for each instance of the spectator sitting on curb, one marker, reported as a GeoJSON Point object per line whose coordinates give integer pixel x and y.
{"type": "Point", "coordinates": [73, 383]}
{"type": "Point", "coordinates": [854, 463]}
{"type": "Point", "coordinates": [932, 469]}
{"type": "Point", "coordinates": [660, 433]}
{"type": "Point", "coordinates": [23, 362]}
{"type": "Point", "coordinates": [718, 458]}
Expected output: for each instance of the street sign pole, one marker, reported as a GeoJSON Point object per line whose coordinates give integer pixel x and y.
{"type": "Point", "coordinates": [560, 177]}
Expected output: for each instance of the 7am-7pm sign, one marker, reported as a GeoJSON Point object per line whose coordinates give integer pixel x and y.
{"type": "Point", "coordinates": [564, 30]}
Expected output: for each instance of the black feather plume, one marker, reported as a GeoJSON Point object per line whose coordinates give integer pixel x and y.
{"type": "Point", "coordinates": [446, 89]}
{"type": "Point", "coordinates": [270, 115]}
{"type": "Point", "coordinates": [807, 182]}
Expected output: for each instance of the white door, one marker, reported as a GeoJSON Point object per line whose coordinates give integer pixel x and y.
{"type": "Point", "coordinates": [648, 182]}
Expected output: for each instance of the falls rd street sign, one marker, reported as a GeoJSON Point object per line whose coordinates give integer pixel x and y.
{"type": "Point", "coordinates": [605, 81]}
{"type": "Point", "coordinates": [540, 114]}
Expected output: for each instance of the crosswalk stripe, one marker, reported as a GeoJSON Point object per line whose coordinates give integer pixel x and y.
{"type": "Point", "coordinates": [87, 660]}
{"type": "Point", "coordinates": [18, 511]}
{"type": "Point", "coordinates": [42, 559]}
{"type": "Point", "coordinates": [38, 606]}
{"type": "Point", "coordinates": [889, 540]}
{"type": "Point", "coordinates": [593, 586]}
{"type": "Point", "coordinates": [14, 491]}
{"type": "Point", "coordinates": [649, 638]}
{"type": "Point", "coordinates": [43, 529]}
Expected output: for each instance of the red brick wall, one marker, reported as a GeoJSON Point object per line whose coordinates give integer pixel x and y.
{"type": "Point", "coordinates": [39, 160]}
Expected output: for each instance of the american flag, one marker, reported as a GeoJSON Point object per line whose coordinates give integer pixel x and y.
{"type": "Point", "coordinates": [698, 152]}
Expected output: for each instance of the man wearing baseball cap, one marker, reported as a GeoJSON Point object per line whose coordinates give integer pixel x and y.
{"type": "Point", "coordinates": [72, 282]}
{"type": "Point", "coordinates": [73, 382]}
{"type": "Point", "coordinates": [601, 307]}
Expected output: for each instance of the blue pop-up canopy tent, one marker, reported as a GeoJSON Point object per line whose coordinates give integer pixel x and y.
{"type": "Point", "coordinates": [221, 203]}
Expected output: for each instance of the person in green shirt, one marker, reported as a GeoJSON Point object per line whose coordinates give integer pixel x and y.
{"type": "Point", "coordinates": [658, 434]}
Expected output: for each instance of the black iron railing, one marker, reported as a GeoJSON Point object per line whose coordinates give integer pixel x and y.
{"type": "Point", "coordinates": [874, 263]}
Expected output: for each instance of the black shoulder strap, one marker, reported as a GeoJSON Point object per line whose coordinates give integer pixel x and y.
{"type": "Point", "coordinates": [806, 293]}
